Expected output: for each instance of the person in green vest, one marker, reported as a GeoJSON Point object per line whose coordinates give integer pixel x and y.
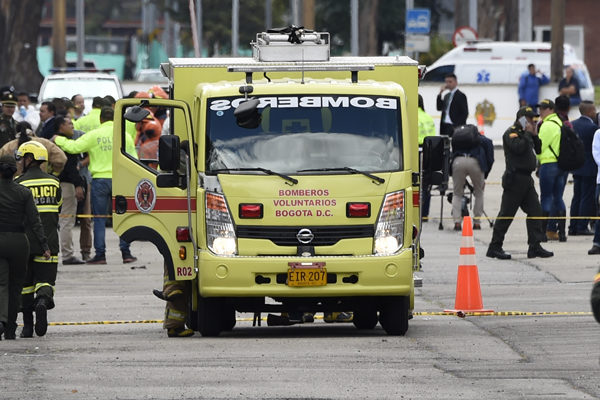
{"type": "Point", "coordinates": [98, 144]}
{"type": "Point", "coordinates": [426, 128]}
{"type": "Point", "coordinates": [92, 120]}
{"type": "Point", "coordinates": [426, 125]}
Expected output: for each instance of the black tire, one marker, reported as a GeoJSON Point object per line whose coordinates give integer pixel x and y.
{"type": "Point", "coordinates": [209, 316]}
{"type": "Point", "coordinates": [393, 315]}
{"type": "Point", "coordinates": [365, 319]}
{"type": "Point", "coordinates": [192, 316]}
{"type": "Point", "coordinates": [228, 317]}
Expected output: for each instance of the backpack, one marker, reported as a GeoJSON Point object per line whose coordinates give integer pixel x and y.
{"type": "Point", "coordinates": [465, 138]}
{"type": "Point", "coordinates": [572, 152]}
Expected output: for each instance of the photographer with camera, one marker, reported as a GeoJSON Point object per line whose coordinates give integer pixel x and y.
{"type": "Point", "coordinates": [521, 144]}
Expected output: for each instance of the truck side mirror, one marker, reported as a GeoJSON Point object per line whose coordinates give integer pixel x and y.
{"type": "Point", "coordinates": [136, 114]}
{"type": "Point", "coordinates": [247, 115]}
{"type": "Point", "coordinates": [169, 152]}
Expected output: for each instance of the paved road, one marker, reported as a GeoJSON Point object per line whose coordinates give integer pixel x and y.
{"type": "Point", "coordinates": [441, 357]}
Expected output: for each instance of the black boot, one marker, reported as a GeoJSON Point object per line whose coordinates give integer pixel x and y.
{"type": "Point", "coordinates": [497, 252]}
{"type": "Point", "coordinates": [27, 330]}
{"type": "Point", "coordinates": [562, 221]}
{"type": "Point", "coordinates": [41, 316]}
{"type": "Point", "coordinates": [535, 250]}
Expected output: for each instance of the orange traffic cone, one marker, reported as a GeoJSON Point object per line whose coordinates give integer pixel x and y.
{"type": "Point", "coordinates": [468, 291]}
{"type": "Point", "coordinates": [480, 123]}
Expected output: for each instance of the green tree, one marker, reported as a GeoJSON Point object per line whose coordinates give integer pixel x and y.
{"type": "Point", "coordinates": [20, 21]}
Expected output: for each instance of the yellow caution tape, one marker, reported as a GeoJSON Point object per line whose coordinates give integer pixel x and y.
{"type": "Point", "coordinates": [421, 314]}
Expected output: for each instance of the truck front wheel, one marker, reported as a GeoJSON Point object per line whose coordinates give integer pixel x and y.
{"type": "Point", "coordinates": [393, 315]}
{"type": "Point", "coordinates": [209, 316]}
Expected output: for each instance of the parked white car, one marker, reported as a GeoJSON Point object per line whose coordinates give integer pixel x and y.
{"type": "Point", "coordinates": [87, 84]}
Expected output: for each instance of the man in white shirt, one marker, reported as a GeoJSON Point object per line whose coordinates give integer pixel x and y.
{"type": "Point", "coordinates": [25, 111]}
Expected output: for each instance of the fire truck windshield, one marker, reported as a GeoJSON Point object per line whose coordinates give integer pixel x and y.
{"type": "Point", "coordinates": [307, 132]}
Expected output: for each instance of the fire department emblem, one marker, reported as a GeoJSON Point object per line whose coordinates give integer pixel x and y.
{"type": "Point", "coordinates": [145, 196]}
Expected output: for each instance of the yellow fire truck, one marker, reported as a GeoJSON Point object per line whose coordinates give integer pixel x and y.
{"type": "Point", "coordinates": [288, 182]}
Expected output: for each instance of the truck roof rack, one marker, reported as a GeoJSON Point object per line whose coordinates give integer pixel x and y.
{"type": "Point", "coordinates": [249, 69]}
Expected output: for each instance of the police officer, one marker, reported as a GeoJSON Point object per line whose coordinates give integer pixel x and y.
{"type": "Point", "coordinates": [18, 211]}
{"type": "Point", "coordinates": [521, 143]}
{"type": "Point", "coordinates": [8, 125]}
{"type": "Point", "coordinates": [38, 289]}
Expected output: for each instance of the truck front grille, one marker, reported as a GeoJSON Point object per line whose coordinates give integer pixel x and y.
{"type": "Point", "coordinates": [323, 235]}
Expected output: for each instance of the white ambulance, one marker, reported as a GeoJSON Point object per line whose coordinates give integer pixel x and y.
{"type": "Point", "coordinates": [488, 73]}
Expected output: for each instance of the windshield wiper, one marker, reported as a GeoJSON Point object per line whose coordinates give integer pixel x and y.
{"type": "Point", "coordinates": [266, 171]}
{"type": "Point", "coordinates": [351, 170]}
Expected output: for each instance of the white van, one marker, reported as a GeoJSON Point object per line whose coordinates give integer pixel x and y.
{"type": "Point", "coordinates": [488, 73]}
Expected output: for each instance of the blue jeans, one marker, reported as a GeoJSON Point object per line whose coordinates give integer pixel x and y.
{"type": "Point", "coordinates": [552, 187]}
{"type": "Point", "coordinates": [583, 203]}
{"type": "Point", "coordinates": [101, 198]}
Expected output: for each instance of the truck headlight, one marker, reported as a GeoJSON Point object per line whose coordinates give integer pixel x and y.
{"type": "Point", "coordinates": [389, 232]}
{"type": "Point", "coordinates": [220, 234]}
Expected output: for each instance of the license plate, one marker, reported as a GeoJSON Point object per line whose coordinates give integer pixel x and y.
{"type": "Point", "coordinates": [307, 274]}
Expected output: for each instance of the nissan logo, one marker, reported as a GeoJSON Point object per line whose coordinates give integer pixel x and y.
{"type": "Point", "coordinates": [305, 236]}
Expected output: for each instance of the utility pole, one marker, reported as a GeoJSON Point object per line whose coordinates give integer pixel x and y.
{"type": "Point", "coordinates": [557, 19]}
{"type": "Point", "coordinates": [308, 14]}
{"type": "Point", "coordinates": [59, 42]}
{"type": "Point", "coordinates": [354, 27]}
{"type": "Point", "coordinates": [295, 12]}
{"type": "Point", "coordinates": [525, 21]}
{"type": "Point", "coordinates": [80, 31]}
{"type": "Point", "coordinates": [194, 28]}
{"type": "Point", "coordinates": [235, 27]}
{"type": "Point", "coordinates": [199, 26]}
{"type": "Point", "coordinates": [268, 15]}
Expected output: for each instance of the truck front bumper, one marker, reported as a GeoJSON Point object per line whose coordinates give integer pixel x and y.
{"type": "Point", "coordinates": [267, 276]}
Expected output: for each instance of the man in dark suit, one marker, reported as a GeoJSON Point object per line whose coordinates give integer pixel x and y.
{"type": "Point", "coordinates": [47, 127]}
{"type": "Point", "coordinates": [453, 106]}
{"type": "Point", "coordinates": [584, 178]}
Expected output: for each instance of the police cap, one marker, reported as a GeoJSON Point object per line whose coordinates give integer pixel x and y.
{"type": "Point", "coordinates": [546, 103]}
{"type": "Point", "coordinates": [526, 111]}
{"type": "Point", "coordinates": [8, 98]}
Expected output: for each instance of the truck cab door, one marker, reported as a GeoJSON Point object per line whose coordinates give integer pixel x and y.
{"type": "Point", "coordinates": [149, 203]}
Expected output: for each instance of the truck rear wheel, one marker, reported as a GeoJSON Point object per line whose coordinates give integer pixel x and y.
{"type": "Point", "coordinates": [365, 318]}
{"type": "Point", "coordinates": [209, 316]}
{"type": "Point", "coordinates": [393, 315]}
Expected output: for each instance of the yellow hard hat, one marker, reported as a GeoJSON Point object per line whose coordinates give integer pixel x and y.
{"type": "Point", "coordinates": [37, 150]}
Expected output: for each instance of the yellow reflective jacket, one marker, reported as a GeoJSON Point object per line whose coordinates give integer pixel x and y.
{"type": "Point", "coordinates": [549, 134]}
{"type": "Point", "coordinates": [88, 122]}
{"type": "Point", "coordinates": [98, 144]}
{"type": "Point", "coordinates": [426, 126]}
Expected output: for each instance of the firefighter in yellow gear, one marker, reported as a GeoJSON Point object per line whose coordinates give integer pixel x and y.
{"type": "Point", "coordinates": [176, 294]}
{"type": "Point", "coordinates": [38, 289]}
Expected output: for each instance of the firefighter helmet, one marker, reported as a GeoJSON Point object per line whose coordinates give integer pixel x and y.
{"type": "Point", "coordinates": [37, 150]}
